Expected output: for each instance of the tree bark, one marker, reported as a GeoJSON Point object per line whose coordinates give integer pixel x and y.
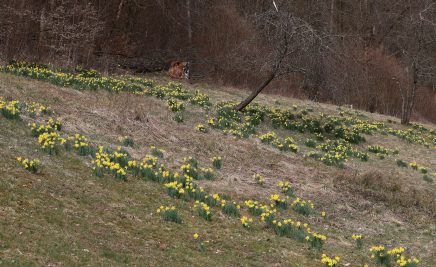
{"type": "Point", "coordinates": [409, 102]}
{"type": "Point", "coordinates": [332, 15]}
{"type": "Point", "coordinates": [188, 16]}
{"type": "Point", "coordinates": [253, 95]}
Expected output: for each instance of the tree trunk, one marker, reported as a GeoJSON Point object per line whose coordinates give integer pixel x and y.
{"type": "Point", "coordinates": [188, 16]}
{"type": "Point", "coordinates": [332, 15]}
{"type": "Point", "coordinates": [253, 95]}
{"type": "Point", "coordinates": [409, 101]}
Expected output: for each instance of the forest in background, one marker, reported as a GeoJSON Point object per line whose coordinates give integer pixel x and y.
{"type": "Point", "coordinates": [377, 55]}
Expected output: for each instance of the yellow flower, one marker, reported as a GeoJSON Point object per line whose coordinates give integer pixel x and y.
{"type": "Point", "coordinates": [195, 236]}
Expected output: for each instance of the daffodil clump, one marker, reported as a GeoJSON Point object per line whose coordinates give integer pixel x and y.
{"type": "Point", "coordinates": [330, 262]}
{"type": "Point", "coordinates": [49, 142]}
{"type": "Point", "coordinates": [206, 173]}
{"type": "Point", "coordinates": [214, 200]}
{"type": "Point", "coordinates": [190, 170]}
{"type": "Point", "coordinates": [302, 206]}
{"type": "Point", "coordinates": [175, 189]}
{"type": "Point", "coordinates": [402, 261]}
{"type": "Point", "coordinates": [401, 163]}
{"type": "Point", "coordinates": [268, 138]}
{"type": "Point", "coordinates": [157, 152]}
{"type": "Point", "coordinates": [278, 201]}
{"type": "Point", "coordinates": [105, 162]}
{"type": "Point", "coordinates": [230, 208]}
{"type": "Point", "coordinates": [281, 228]}
{"type": "Point", "coordinates": [198, 193]}
{"type": "Point", "coordinates": [246, 222]}
{"type": "Point", "coordinates": [148, 167]}
{"type": "Point", "coordinates": [169, 214]}
{"type": "Point", "coordinates": [34, 109]}
{"type": "Point", "coordinates": [178, 117]}
{"type": "Point", "coordinates": [380, 255]}
{"type": "Point", "coordinates": [267, 216]}
{"type": "Point", "coordinates": [14, 109]}
{"type": "Point", "coordinates": [290, 228]}
{"type": "Point", "coordinates": [358, 239]}
{"type": "Point", "coordinates": [410, 135]}
{"type": "Point", "coordinates": [395, 254]}
{"type": "Point", "coordinates": [199, 99]}
{"type": "Point", "coordinates": [337, 152]}
{"type": "Point", "coordinates": [216, 162]}
{"type": "Point", "coordinates": [315, 240]}
{"type": "Point", "coordinates": [414, 165]}
{"type": "Point", "coordinates": [191, 161]}
{"type": "Point", "coordinates": [272, 139]}
{"type": "Point", "coordinates": [382, 151]}
{"type": "Point", "coordinates": [175, 106]}
{"type": "Point", "coordinates": [51, 126]}
{"type": "Point", "coordinates": [201, 128]}
{"type": "Point", "coordinates": [201, 243]}
{"type": "Point", "coordinates": [310, 143]}
{"type": "Point", "coordinates": [80, 145]}
{"type": "Point", "coordinates": [32, 165]}
{"type": "Point", "coordinates": [258, 179]}
{"type": "Point", "coordinates": [74, 80]}
{"type": "Point", "coordinates": [203, 210]}
{"type": "Point", "coordinates": [10, 110]}
{"type": "Point", "coordinates": [423, 170]}
{"type": "Point", "coordinates": [286, 188]}
{"type": "Point", "coordinates": [428, 178]}
{"type": "Point", "coordinates": [126, 141]}
{"type": "Point", "coordinates": [254, 208]}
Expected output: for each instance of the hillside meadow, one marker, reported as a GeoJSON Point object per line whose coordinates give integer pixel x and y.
{"type": "Point", "coordinates": [147, 171]}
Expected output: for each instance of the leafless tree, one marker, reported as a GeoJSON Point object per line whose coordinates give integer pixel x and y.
{"type": "Point", "coordinates": [70, 29]}
{"type": "Point", "coordinates": [415, 42]}
{"type": "Point", "coordinates": [285, 41]}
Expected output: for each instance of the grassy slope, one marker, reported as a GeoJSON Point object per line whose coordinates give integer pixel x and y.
{"type": "Point", "coordinates": [66, 216]}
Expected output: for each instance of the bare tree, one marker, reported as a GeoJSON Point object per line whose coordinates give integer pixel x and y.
{"type": "Point", "coordinates": [70, 29]}
{"type": "Point", "coordinates": [284, 40]}
{"type": "Point", "coordinates": [415, 42]}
